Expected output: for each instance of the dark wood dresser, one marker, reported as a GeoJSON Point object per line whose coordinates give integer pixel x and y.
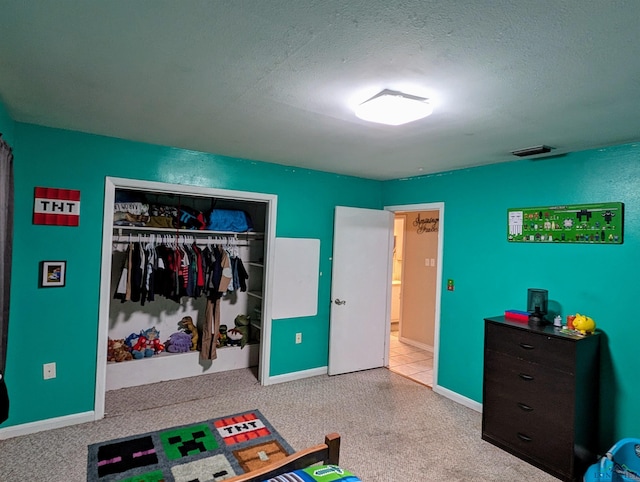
{"type": "Point", "coordinates": [540, 395]}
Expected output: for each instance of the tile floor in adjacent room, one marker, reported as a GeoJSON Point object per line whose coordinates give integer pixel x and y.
{"type": "Point", "coordinates": [410, 361]}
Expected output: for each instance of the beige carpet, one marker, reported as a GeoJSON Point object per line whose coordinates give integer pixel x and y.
{"type": "Point", "coordinates": [392, 429]}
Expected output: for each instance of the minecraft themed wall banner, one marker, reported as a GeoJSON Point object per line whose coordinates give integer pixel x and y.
{"type": "Point", "coordinates": [599, 223]}
{"type": "Point", "coordinates": [58, 207]}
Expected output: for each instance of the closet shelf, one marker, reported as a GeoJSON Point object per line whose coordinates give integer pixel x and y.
{"type": "Point", "coordinates": [165, 354]}
{"type": "Point", "coordinates": [256, 264]}
{"type": "Point", "coordinates": [255, 294]}
{"type": "Point", "coordinates": [162, 354]}
{"type": "Point", "coordinates": [185, 232]}
{"type": "Point", "coordinates": [172, 366]}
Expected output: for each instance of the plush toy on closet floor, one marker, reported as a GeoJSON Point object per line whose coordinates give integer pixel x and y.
{"type": "Point", "coordinates": [222, 336]}
{"type": "Point", "coordinates": [190, 328]}
{"type": "Point", "coordinates": [147, 343]}
{"type": "Point", "coordinates": [239, 335]}
{"type": "Point", "coordinates": [117, 351]}
{"type": "Point", "coordinates": [178, 342]}
{"type": "Point", "coordinates": [131, 340]}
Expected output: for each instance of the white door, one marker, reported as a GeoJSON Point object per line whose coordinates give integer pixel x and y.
{"type": "Point", "coordinates": [360, 294]}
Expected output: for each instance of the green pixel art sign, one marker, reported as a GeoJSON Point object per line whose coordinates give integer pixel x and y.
{"type": "Point", "coordinates": [599, 223]}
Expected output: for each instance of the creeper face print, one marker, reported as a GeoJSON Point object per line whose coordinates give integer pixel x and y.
{"type": "Point", "coordinates": [185, 441]}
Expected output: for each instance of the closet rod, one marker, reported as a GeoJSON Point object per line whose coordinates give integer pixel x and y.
{"type": "Point", "coordinates": [145, 238]}
{"type": "Point", "coordinates": [140, 230]}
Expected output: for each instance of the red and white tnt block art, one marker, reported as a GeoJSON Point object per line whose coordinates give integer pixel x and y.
{"type": "Point", "coordinates": [241, 428]}
{"type": "Point", "coordinates": [57, 207]}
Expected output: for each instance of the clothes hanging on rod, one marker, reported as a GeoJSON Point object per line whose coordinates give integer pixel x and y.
{"type": "Point", "coordinates": [174, 270]}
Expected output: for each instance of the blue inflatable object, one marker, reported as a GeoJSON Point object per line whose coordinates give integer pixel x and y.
{"type": "Point", "coordinates": [229, 220]}
{"type": "Point", "coordinates": [620, 464]}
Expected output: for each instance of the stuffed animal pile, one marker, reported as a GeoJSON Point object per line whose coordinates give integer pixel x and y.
{"type": "Point", "coordinates": [184, 340]}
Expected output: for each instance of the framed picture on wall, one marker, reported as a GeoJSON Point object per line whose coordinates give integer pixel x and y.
{"type": "Point", "coordinates": [52, 274]}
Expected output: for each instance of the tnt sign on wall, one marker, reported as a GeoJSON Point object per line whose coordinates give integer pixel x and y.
{"type": "Point", "coordinates": [58, 207]}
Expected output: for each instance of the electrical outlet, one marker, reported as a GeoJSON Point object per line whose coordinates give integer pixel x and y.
{"type": "Point", "coordinates": [298, 338]}
{"type": "Point", "coordinates": [49, 370]}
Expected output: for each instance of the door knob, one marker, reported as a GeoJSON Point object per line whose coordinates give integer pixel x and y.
{"type": "Point", "coordinates": [340, 302]}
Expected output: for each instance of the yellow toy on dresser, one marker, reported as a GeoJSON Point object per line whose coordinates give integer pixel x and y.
{"type": "Point", "coordinates": [584, 324]}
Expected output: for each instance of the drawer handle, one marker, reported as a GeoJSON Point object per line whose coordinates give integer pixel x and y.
{"type": "Point", "coordinates": [523, 437]}
{"type": "Point", "coordinates": [526, 377]}
{"type": "Point", "coordinates": [525, 407]}
{"type": "Point", "coordinates": [526, 346]}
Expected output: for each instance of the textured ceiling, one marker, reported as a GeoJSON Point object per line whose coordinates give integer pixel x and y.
{"type": "Point", "coordinates": [275, 80]}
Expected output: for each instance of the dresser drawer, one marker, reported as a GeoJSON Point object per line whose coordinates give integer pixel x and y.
{"type": "Point", "coordinates": [541, 443]}
{"type": "Point", "coordinates": [529, 383]}
{"type": "Point", "coordinates": [528, 416]}
{"type": "Point", "coordinates": [534, 347]}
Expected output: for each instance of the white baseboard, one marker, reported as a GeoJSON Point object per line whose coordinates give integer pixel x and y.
{"type": "Point", "coordinates": [51, 423]}
{"type": "Point", "coordinates": [314, 372]}
{"type": "Point", "coordinates": [456, 397]}
{"type": "Point", "coordinates": [417, 344]}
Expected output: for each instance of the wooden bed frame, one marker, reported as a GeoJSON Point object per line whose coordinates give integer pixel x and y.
{"type": "Point", "coordinates": [328, 453]}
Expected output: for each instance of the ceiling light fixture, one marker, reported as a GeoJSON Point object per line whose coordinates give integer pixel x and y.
{"type": "Point", "coordinates": [394, 108]}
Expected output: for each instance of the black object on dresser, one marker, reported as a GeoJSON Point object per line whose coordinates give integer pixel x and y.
{"type": "Point", "coordinates": [540, 395]}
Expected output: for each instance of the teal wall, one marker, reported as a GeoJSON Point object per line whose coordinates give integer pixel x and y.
{"type": "Point", "coordinates": [60, 324]}
{"type": "Point", "coordinates": [492, 275]}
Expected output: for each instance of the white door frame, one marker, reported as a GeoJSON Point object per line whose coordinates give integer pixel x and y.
{"type": "Point", "coordinates": [111, 183]}
{"type": "Point", "coordinates": [439, 206]}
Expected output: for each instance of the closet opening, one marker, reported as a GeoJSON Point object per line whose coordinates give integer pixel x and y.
{"type": "Point", "coordinates": [174, 254]}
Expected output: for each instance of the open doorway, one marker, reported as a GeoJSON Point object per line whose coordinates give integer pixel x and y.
{"type": "Point", "coordinates": [415, 291]}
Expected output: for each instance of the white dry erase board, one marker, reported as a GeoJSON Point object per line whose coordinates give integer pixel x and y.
{"type": "Point", "coordinates": [295, 277]}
